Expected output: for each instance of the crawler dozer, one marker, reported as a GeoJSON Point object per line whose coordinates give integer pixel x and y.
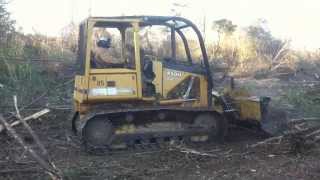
{"type": "Point", "coordinates": [148, 99]}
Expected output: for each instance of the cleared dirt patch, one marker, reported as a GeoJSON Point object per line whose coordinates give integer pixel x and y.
{"type": "Point", "coordinates": [232, 160]}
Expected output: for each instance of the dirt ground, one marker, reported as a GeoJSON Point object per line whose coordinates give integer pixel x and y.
{"type": "Point", "coordinates": [234, 159]}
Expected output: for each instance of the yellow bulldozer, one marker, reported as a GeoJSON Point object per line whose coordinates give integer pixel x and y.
{"type": "Point", "coordinates": [133, 97]}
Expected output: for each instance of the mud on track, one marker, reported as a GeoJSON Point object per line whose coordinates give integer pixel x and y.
{"type": "Point", "coordinates": [231, 160]}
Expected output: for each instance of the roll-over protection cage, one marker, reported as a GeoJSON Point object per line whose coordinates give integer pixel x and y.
{"type": "Point", "coordinates": [176, 24]}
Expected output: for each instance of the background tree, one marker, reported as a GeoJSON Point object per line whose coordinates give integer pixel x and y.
{"type": "Point", "coordinates": [267, 47]}
{"type": "Point", "coordinates": [70, 37]}
{"type": "Point", "coordinates": [224, 49]}
{"type": "Point", "coordinates": [224, 26]}
{"type": "Point", "coordinates": [7, 30]}
{"type": "Point", "coordinates": [6, 25]}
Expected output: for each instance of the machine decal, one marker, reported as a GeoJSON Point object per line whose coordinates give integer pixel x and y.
{"type": "Point", "coordinates": [110, 91]}
{"type": "Point", "coordinates": [173, 75]}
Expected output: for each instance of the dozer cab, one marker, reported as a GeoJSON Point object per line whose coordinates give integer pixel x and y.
{"type": "Point", "coordinates": [140, 98]}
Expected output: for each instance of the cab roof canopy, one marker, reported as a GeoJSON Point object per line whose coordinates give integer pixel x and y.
{"type": "Point", "coordinates": [173, 22]}
{"type": "Point", "coordinates": [121, 21]}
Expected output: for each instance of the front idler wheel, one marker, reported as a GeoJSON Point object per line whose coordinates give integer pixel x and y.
{"type": "Point", "coordinates": [98, 135]}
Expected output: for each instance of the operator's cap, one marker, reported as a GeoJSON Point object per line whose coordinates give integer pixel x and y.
{"type": "Point", "coordinates": [104, 42]}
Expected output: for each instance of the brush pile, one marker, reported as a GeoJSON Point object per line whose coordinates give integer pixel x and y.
{"type": "Point", "coordinates": [301, 136]}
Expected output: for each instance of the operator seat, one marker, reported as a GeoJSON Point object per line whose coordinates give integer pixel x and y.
{"type": "Point", "coordinates": [147, 77]}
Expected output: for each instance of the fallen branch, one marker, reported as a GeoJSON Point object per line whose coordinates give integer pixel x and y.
{"type": "Point", "coordinates": [26, 125]}
{"type": "Point", "coordinates": [33, 116]}
{"type": "Point", "coordinates": [60, 107]}
{"type": "Point", "coordinates": [304, 131]}
{"type": "Point", "coordinates": [9, 171]}
{"type": "Point", "coordinates": [295, 121]}
{"type": "Point", "coordinates": [52, 171]}
{"type": "Point", "coordinates": [314, 133]}
{"type": "Point", "coordinates": [317, 138]}
{"type": "Point", "coordinates": [192, 151]}
{"type": "Point", "coordinates": [269, 140]}
{"type": "Point", "coordinates": [296, 131]}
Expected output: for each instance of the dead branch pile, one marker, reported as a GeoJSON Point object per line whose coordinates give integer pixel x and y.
{"type": "Point", "coordinates": [41, 158]}
{"type": "Point", "coordinates": [300, 136]}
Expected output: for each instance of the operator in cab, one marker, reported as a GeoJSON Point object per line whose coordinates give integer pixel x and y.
{"type": "Point", "coordinates": [103, 55]}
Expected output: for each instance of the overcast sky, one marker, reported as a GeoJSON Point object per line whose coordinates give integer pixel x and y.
{"type": "Point", "coordinates": [297, 20]}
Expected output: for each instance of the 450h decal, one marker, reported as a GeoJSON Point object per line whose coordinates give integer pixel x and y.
{"type": "Point", "coordinates": [173, 75]}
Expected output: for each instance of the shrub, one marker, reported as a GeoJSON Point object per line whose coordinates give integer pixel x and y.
{"type": "Point", "coordinates": [304, 100]}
